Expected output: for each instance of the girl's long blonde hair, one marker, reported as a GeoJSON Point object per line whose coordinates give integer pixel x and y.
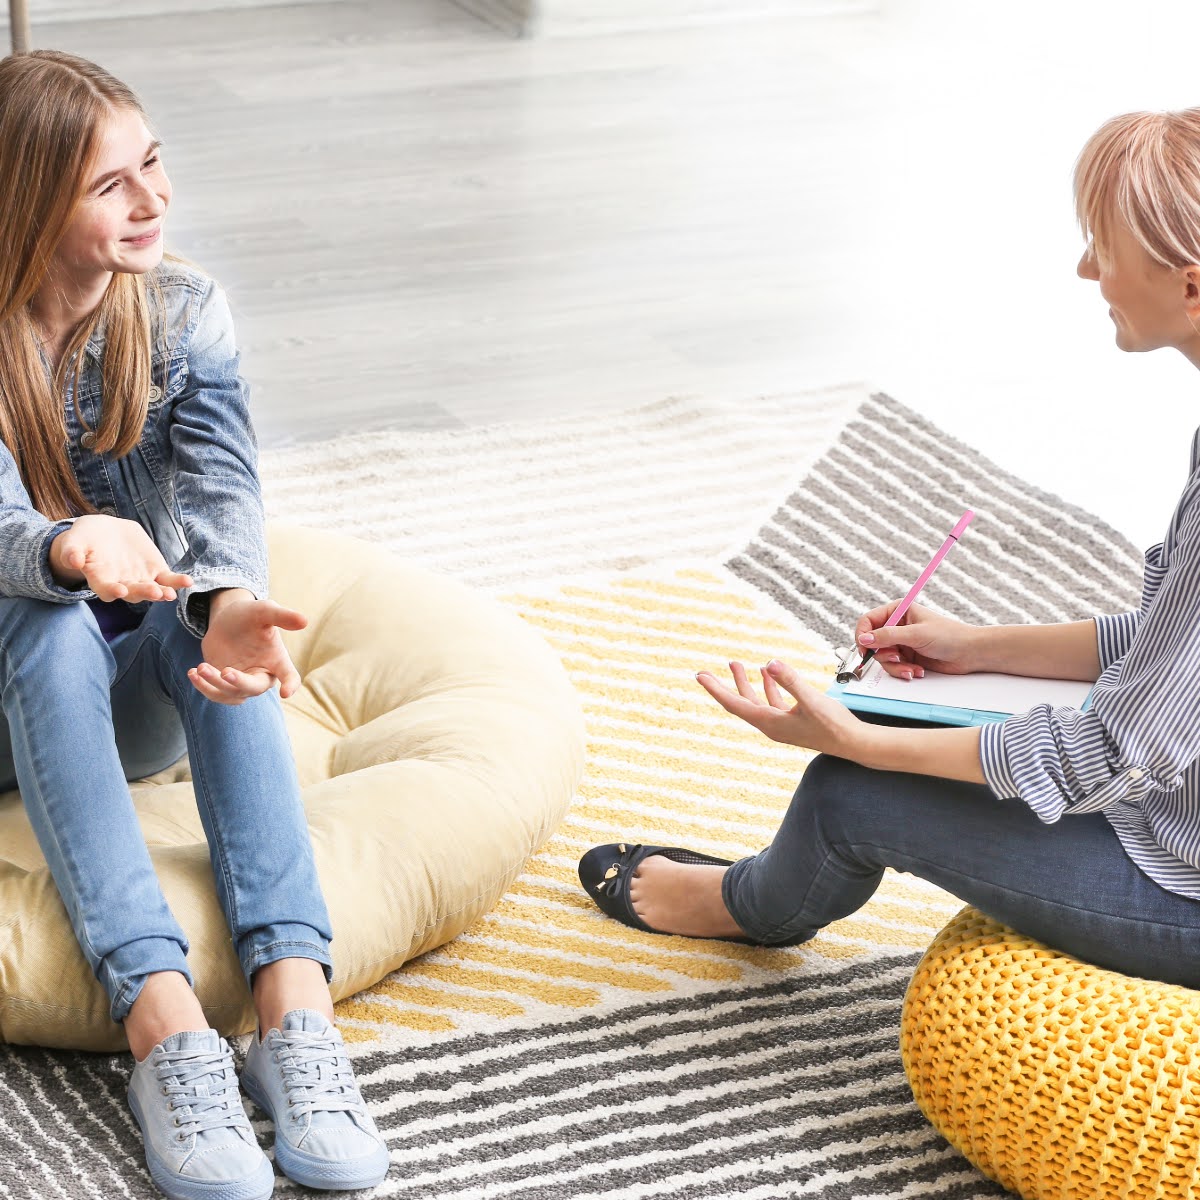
{"type": "Point", "coordinates": [1144, 168]}
{"type": "Point", "coordinates": [53, 107]}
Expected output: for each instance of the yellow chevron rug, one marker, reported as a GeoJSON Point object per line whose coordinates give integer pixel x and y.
{"type": "Point", "coordinates": [665, 765]}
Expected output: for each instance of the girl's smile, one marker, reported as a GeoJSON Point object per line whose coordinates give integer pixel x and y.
{"type": "Point", "coordinates": [145, 239]}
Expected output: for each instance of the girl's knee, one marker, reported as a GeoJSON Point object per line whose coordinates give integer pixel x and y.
{"type": "Point", "coordinates": [28, 625]}
{"type": "Point", "coordinates": [29, 609]}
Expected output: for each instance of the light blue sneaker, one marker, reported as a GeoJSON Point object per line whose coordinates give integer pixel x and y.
{"type": "Point", "coordinates": [301, 1078]}
{"type": "Point", "coordinates": [199, 1143]}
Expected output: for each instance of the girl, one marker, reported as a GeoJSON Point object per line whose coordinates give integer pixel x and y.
{"type": "Point", "coordinates": [975, 811]}
{"type": "Point", "coordinates": [134, 624]}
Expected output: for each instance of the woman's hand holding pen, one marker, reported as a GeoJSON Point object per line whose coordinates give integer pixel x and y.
{"type": "Point", "coordinates": [244, 654]}
{"type": "Point", "coordinates": [924, 640]}
{"type": "Point", "coordinates": [794, 712]}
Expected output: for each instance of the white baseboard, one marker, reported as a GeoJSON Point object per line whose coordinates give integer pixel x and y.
{"type": "Point", "coordinates": [48, 12]}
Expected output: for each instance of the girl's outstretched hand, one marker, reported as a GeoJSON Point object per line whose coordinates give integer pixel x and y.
{"type": "Point", "coordinates": [793, 712]}
{"type": "Point", "coordinates": [244, 655]}
{"type": "Point", "coordinates": [115, 558]}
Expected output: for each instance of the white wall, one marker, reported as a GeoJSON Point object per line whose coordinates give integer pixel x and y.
{"type": "Point", "coordinates": [555, 18]}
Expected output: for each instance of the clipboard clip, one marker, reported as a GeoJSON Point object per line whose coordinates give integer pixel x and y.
{"type": "Point", "coordinates": [851, 665]}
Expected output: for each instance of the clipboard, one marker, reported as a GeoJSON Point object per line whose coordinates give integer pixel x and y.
{"type": "Point", "coordinates": [978, 699]}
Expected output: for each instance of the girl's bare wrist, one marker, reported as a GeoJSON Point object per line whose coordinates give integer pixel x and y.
{"type": "Point", "coordinates": [219, 598]}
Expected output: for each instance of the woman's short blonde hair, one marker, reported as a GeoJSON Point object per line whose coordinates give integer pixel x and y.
{"type": "Point", "coordinates": [1144, 168]}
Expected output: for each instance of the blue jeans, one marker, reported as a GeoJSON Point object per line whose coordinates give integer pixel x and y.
{"type": "Point", "coordinates": [1070, 885]}
{"type": "Point", "coordinates": [84, 716]}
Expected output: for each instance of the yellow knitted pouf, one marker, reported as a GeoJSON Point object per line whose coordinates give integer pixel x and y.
{"type": "Point", "coordinates": [1058, 1079]}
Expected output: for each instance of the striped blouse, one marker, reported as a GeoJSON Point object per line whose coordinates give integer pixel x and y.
{"type": "Point", "coordinates": [1135, 754]}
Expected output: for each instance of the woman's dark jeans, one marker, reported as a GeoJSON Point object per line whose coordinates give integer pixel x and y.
{"type": "Point", "coordinates": [1070, 885]}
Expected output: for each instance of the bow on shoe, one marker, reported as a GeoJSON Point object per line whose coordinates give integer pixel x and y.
{"type": "Point", "coordinates": [612, 877]}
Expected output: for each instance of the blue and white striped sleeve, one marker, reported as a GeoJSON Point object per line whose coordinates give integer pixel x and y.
{"type": "Point", "coordinates": [1138, 735]}
{"type": "Point", "coordinates": [1114, 636]}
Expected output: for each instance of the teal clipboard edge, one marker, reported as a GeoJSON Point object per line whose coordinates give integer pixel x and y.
{"type": "Point", "coordinates": [914, 710]}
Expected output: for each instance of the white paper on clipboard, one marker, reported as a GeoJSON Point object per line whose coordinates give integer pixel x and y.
{"type": "Point", "coordinates": [983, 691]}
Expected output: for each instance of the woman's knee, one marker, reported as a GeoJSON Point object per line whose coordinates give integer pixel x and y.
{"type": "Point", "coordinates": [826, 775]}
{"type": "Point", "coordinates": [827, 781]}
{"type": "Point", "coordinates": [838, 797]}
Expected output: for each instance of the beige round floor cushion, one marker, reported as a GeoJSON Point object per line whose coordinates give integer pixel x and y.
{"type": "Point", "coordinates": [438, 742]}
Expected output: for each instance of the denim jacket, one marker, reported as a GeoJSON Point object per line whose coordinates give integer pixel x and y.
{"type": "Point", "coordinates": [191, 482]}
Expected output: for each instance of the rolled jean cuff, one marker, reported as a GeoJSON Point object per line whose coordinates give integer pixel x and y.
{"type": "Point", "coordinates": [123, 972]}
{"type": "Point", "coordinates": [273, 942]}
{"type": "Point", "coordinates": [733, 893]}
{"type": "Point", "coordinates": [729, 894]}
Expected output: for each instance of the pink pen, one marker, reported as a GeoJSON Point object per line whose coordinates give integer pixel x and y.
{"type": "Point", "coordinates": [845, 671]}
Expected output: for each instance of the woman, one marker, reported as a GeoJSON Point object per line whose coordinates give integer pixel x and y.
{"type": "Point", "coordinates": [1117, 880]}
{"type": "Point", "coordinates": [134, 624]}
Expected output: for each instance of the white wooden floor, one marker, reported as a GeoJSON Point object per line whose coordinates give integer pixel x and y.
{"type": "Point", "coordinates": [423, 223]}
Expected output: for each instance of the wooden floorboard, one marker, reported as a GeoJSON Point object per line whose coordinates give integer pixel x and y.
{"type": "Point", "coordinates": [421, 221]}
{"type": "Point", "coordinates": [424, 222]}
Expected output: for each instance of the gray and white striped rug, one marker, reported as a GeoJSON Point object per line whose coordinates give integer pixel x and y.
{"type": "Point", "coordinates": [783, 1081]}
{"type": "Point", "coordinates": [791, 1089]}
{"type": "Point", "coordinates": [887, 493]}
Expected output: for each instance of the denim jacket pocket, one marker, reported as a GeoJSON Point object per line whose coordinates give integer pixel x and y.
{"type": "Point", "coordinates": [176, 375]}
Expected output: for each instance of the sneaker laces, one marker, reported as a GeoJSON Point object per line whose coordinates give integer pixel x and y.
{"type": "Point", "coordinates": [201, 1089]}
{"type": "Point", "coordinates": [316, 1072]}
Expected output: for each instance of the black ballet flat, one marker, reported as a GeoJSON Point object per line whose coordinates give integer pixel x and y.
{"type": "Point", "coordinates": [605, 872]}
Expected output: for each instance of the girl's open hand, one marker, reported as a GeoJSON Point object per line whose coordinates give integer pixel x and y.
{"type": "Point", "coordinates": [244, 655]}
{"type": "Point", "coordinates": [115, 558]}
{"type": "Point", "coordinates": [794, 712]}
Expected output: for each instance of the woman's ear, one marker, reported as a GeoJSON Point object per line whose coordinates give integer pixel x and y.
{"type": "Point", "coordinates": [1191, 296]}
{"type": "Point", "coordinates": [1192, 280]}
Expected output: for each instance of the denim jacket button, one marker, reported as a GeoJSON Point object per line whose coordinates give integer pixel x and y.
{"type": "Point", "coordinates": [88, 441]}
{"type": "Point", "coordinates": [155, 394]}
